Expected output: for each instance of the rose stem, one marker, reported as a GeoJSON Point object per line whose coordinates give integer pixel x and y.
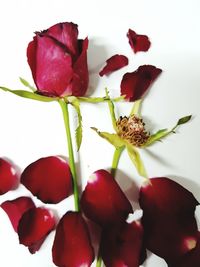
{"type": "Point", "coordinates": [116, 157]}
{"type": "Point", "coordinates": [64, 107]}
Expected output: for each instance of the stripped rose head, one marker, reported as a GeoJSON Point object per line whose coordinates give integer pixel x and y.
{"type": "Point", "coordinates": [58, 61]}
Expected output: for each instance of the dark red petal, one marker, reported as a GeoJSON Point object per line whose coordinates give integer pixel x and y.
{"type": "Point", "coordinates": [48, 178]}
{"type": "Point", "coordinates": [50, 64]}
{"type": "Point", "coordinates": [15, 209]}
{"type": "Point", "coordinates": [135, 84]}
{"type": "Point", "coordinates": [115, 62]}
{"type": "Point", "coordinates": [191, 259]}
{"type": "Point", "coordinates": [8, 176]}
{"type": "Point", "coordinates": [168, 218]}
{"type": "Point", "coordinates": [122, 246]}
{"type": "Point", "coordinates": [80, 80]}
{"type": "Point", "coordinates": [34, 225]}
{"type": "Point", "coordinates": [103, 201]}
{"type": "Point", "coordinates": [67, 34]}
{"type": "Point", "coordinates": [72, 246]}
{"type": "Point", "coordinates": [138, 42]}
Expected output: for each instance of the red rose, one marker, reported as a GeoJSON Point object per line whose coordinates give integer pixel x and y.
{"type": "Point", "coordinates": [58, 61]}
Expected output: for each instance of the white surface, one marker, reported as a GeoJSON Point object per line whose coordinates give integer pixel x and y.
{"type": "Point", "coordinates": [30, 130]}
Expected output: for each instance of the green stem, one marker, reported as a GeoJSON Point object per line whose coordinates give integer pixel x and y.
{"type": "Point", "coordinates": [116, 157]}
{"type": "Point", "coordinates": [65, 112]}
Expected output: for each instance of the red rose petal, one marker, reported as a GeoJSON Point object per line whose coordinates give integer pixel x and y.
{"type": "Point", "coordinates": [15, 209]}
{"type": "Point", "coordinates": [138, 42]}
{"type": "Point", "coordinates": [168, 218]}
{"type": "Point", "coordinates": [50, 64]}
{"type": "Point", "coordinates": [80, 80]}
{"type": "Point", "coordinates": [72, 246]}
{"type": "Point", "coordinates": [8, 176]}
{"type": "Point", "coordinates": [67, 34]}
{"type": "Point", "coordinates": [103, 201]}
{"type": "Point", "coordinates": [191, 259]}
{"type": "Point", "coordinates": [135, 84]}
{"type": "Point", "coordinates": [114, 63]}
{"type": "Point", "coordinates": [34, 225]}
{"type": "Point", "coordinates": [122, 246]}
{"type": "Point", "coordinates": [48, 178]}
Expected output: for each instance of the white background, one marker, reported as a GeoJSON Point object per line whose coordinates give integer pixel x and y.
{"type": "Point", "coordinates": [30, 130]}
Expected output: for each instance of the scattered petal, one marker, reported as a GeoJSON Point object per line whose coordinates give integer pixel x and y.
{"type": "Point", "coordinates": [72, 246]}
{"type": "Point", "coordinates": [8, 176]}
{"type": "Point", "coordinates": [114, 63]}
{"type": "Point", "coordinates": [15, 209]}
{"type": "Point", "coordinates": [138, 42]}
{"type": "Point", "coordinates": [168, 218]}
{"type": "Point", "coordinates": [103, 201]}
{"type": "Point", "coordinates": [48, 178]}
{"type": "Point", "coordinates": [34, 225]}
{"type": "Point", "coordinates": [122, 245]}
{"type": "Point", "coordinates": [135, 84]}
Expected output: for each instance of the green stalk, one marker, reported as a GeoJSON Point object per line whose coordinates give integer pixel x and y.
{"type": "Point", "coordinates": [116, 157]}
{"type": "Point", "coordinates": [64, 107]}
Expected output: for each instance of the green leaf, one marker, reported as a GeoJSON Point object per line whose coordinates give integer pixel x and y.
{"type": "Point", "coordinates": [113, 139]}
{"type": "Point", "coordinates": [184, 120]}
{"type": "Point", "coordinates": [136, 159]}
{"type": "Point", "coordinates": [27, 84]}
{"type": "Point", "coordinates": [111, 109]}
{"type": "Point", "coordinates": [79, 130]}
{"type": "Point", "coordinates": [30, 95]}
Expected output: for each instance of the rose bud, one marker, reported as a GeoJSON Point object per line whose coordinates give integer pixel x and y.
{"type": "Point", "coordinates": [15, 209]}
{"type": "Point", "coordinates": [72, 246]}
{"type": "Point", "coordinates": [170, 228]}
{"type": "Point", "coordinates": [8, 176]}
{"type": "Point", "coordinates": [103, 201]}
{"type": "Point", "coordinates": [138, 42]}
{"type": "Point", "coordinates": [58, 61]}
{"type": "Point", "coordinates": [135, 84]}
{"type": "Point", "coordinates": [114, 63]}
{"type": "Point", "coordinates": [49, 179]}
{"type": "Point", "coordinates": [34, 225]}
{"type": "Point", "coordinates": [122, 245]}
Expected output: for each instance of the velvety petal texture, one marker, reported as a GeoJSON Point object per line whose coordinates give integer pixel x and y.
{"type": "Point", "coordinates": [191, 259]}
{"type": "Point", "coordinates": [15, 209]}
{"type": "Point", "coordinates": [135, 84]}
{"type": "Point", "coordinates": [122, 245]}
{"type": "Point", "coordinates": [114, 63]}
{"type": "Point", "coordinates": [103, 201]}
{"type": "Point", "coordinates": [58, 61]}
{"type": "Point", "coordinates": [72, 246]}
{"type": "Point", "coordinates": [49, 179]}
{"type": "Point", "coordinates": [34, 225]}
{"type": "Point", "coordinates": [138, 42]}
{"type": "Point", "coordinates": [8, 176]}
{"type": "Point", "coordinates": [170, 228]}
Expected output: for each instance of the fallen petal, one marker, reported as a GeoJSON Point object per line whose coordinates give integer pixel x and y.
{"type": "Point", "coordinates": [114, 63]}
{"type": "Point", "coordinates": [8, 176]}
{"type": "Point", "coordinates": [168, 218]}
{"type": "Point", "coordinates": [103, 201]}
{"type": "Point", "coordinates": [122, 245]}
{"type": "Point", "coordinates": [135, 84]}
{"type": "Point", "coordinates": [138, 42]}
{"type": "Point", "coordinates": [34, 225]}
{"type": "Point", "coordinates": [72, 246]}
{"type": "Point", "coordinates": [15, 209]}
{"type": "Point", "coordinates": [48, 178]}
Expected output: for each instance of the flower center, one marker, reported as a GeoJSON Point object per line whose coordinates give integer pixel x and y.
{"type": "Point", "coordinates": [132, 129]}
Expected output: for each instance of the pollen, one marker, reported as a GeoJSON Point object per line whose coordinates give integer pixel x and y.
{"type": "Point", "coordinates": [132, 129]}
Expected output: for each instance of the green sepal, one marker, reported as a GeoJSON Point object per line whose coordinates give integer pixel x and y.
{"type": "Point", "coordinates": [27, 84]}
{"type": "Point", "coordinates": [136, 159]}
{"type": "Point", "coordinates": [113, 139]}
{"type": "Point", "coordinates": [111, 109]}
{"type": "Point", "coordinates": [30, 95]}
{"type": "Point", "coordinates": [79, 130]}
